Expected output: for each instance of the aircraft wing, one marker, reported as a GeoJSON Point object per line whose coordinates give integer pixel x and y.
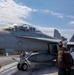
{"type": "Point", "coordinates": [40, 39]}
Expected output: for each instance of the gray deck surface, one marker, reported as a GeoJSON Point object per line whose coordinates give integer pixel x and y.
{"type": "Point", "coordinates": [39, 69]}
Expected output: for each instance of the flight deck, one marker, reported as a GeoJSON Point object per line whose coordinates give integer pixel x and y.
{"type": "Point", "coordinates": [10, 68]}
{"type": "Point", "coordinates": [35, 69]}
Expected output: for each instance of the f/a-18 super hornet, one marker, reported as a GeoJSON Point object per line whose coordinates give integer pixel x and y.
{"type": "Point", "coordinates": [23, 37]}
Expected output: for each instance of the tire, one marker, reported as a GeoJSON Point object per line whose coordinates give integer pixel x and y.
{"type": "Point", "coordinates": [24, 67]}
{"type": "Point", "coordinates": [19, 66]}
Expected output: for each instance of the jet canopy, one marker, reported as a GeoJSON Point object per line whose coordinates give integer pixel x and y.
{"type": "Point", "coordinates": [23, 27]}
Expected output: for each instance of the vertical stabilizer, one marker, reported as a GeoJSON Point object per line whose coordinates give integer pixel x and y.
{"type": "Point", "coordinates": [57, 34]}
{"type": "Point", "coordinates": [72, 39]}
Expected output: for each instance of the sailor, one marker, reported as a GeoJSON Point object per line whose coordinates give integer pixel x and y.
{"type": "Point", "coordinates": [64, 59]}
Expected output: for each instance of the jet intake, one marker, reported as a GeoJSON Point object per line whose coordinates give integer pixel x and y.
{"type": "Point", "coordinates": [41, 57]}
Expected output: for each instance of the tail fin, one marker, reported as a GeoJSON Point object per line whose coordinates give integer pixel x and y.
{"type": "Point", "coordinates": [57, 34]}
{"type": "Point", "coordinates": [72, 39]}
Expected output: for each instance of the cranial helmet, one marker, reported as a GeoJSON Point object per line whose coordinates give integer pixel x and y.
{"type": "Point", "coordinates": [60, 44]}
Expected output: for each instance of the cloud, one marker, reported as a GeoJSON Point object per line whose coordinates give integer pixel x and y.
{"type": "Point", "coordinates": [54, 13]}
{"type": "Point", "coordinates": [59, 15]}
{"type": "Point", "coordinates": [71, 23]}
{"type": "Point", "coordinates": [70, 16]}
{"type": "Point", "coordinates": [50, 12]}
{"type": "Point", "coordinates": [11, 12]}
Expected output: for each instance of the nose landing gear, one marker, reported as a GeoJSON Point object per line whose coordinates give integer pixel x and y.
{"type": "Point", "coordinates": [22, 66]}
{"type": "Point", "coordinates": [24, 63]}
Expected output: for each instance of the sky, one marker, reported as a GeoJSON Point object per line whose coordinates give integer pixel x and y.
{"type": "Point", "coordinates": [45, 15]}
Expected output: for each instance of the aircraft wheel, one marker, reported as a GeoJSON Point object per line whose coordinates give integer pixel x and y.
{"type": "Point", "coordinates": [19, 66]}
{"type": "Point", "coordinates": [24, 66]}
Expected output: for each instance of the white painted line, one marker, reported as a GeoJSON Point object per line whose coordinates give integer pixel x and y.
{"type": "Point", "coordinates": [4, 68]}
{"type": "Point", "coordinates": [9, 71]}
{"type": "Point", "coordinates": [52, 74]}
{"type": "Point", "coordinates": [12, 72]}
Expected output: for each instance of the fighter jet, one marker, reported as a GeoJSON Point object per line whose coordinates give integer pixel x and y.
{"type": "Point", "coordinates": [24, 37]}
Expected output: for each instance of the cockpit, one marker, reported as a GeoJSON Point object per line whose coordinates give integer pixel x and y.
{"type": "Point", "coordinates": [23, 27]}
